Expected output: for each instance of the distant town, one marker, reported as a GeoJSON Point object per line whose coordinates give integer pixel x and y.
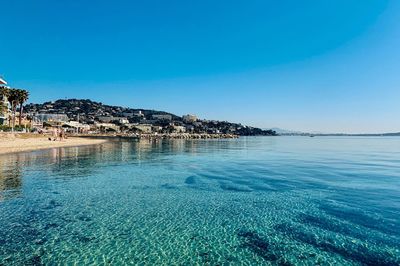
{"type": "Point", "coordinates": [94, 117]}
{"type": "Point", "coordinates": [89, 117]}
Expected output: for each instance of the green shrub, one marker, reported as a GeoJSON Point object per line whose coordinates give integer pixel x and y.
{"type": "Point", "coordinates": [5, 128]}
{"type": "Point", "coordinates": [17, 128]}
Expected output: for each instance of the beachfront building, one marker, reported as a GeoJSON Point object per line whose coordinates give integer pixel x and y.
{"type": "Point", "coordinates": [189, 118]}
{"type": "Point", "coordinates": [51, 118]}
{"type": "Point", "coordinates": [40, 120]}
{"type": "Point", "coordinates": [2, 81]}
{"type": "Point", "coordinates": [105, 127]}
{"type": "Point", "coordinates": [144, 128]}
{"type": "Point", "coordinates": [4, 106]}
{"type": "Point", "coordinates": [76, 127]}
{"type": "Point", "coordinates": [162, 117]}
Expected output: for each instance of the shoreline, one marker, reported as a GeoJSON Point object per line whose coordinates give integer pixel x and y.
{"type": "Point", "coordinates": [159, 136]}
{"type": "Point", "coordinates": [11, 143]}
{"type": "Point", "coordinates": [25, 142]}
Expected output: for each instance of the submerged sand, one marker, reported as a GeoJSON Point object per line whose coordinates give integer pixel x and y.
{"type": "Point", "coordinates": [11, 143]}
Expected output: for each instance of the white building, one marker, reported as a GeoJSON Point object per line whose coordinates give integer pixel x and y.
{"type": "Point", "coordinates": [56, 118]}
{"type": "Point", "coordinates": [78, 127]}
{"type": "Point", "coordinates": [180, 129]}
{"type": "Point", "coordinates": [144, 128]}
{"type": "Point", "coordinates": [109, 119]}
{"type": "Point", "coordinates": [138, 114]}
{"type": "Point", "coordinates": [123, 120]}
{"type": "Point", "coordinates": [2, 81]}
{"type": "Point", "coordinates": [106, 126]}
{"type": "Point", "coordinates": [133, 114]}
{"type": "Point", "coordinates": [189, 118]}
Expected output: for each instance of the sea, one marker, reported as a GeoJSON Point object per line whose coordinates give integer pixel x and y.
{"type": "Point", "coordinates": [247, 201]}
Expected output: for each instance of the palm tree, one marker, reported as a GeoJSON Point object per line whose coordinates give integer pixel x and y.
{"type": "Point", "coordinates": [13, 100]}
{"type": "Point", "coordinates": [4, 91]}
{"type": "Point", "coordinates": [23, 96]}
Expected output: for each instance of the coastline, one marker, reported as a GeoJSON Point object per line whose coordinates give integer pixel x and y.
{"type": "Point", "coordinates": [25, 142]}
{"type": "Point", "coordinates": [157, 136]}
{"type": "Point", "coordinates": [14, 143]}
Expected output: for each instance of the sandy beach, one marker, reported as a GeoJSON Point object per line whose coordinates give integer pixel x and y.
{"type": "Point", "coordinates": [10, 143]}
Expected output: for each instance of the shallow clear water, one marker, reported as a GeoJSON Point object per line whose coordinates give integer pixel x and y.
{"type": "Point", "coordinates": [263, 200]}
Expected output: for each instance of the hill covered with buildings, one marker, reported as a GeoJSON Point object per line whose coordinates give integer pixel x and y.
{"type": "Point", "coordinates": [124, 119]}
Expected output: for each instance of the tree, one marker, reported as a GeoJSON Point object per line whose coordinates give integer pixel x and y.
{"type": "Point", "coordinates": [23, 96]}
{"type": "Point", "coordinates": [13, 100]}
{"type": "Point", "coordinates": [3, 108]}
{"type": "Point", "coordinates": [4, 93]}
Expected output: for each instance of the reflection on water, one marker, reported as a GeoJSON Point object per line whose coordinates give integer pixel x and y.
{"type": "Point", "coordinates": [10, 178]}
{"type": "Point", "coordinates": [248, 201]}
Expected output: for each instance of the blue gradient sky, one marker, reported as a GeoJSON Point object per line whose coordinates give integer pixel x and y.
{"type": "Point", "coordinates": [329, 66]}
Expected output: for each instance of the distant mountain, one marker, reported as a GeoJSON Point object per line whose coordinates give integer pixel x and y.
{"type": "Point", "coordinates": [286, 132]}
{"type": "Point", "coordinates": [395, 134]}
{"type": "Point", "coordinates": [281, 131]}
{"type": "Point", "coordinates": [391, 134]}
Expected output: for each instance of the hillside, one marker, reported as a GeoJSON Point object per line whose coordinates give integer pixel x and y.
{"type": "Point", "coordinates": [87, 111]}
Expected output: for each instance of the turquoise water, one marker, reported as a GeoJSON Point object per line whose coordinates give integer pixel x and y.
{"type": "Point", "coordinates": [256, 200]}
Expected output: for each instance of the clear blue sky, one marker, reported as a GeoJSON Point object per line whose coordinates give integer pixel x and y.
{"type": "Point", "coordinates": [322, 65]}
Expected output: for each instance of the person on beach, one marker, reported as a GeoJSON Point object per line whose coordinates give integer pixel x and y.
{"type": "Point", "coordinates": [55, 134]}
{"type": "Point", "coordinates": [62, 134]}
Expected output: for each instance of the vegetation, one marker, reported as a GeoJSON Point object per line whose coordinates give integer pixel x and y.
{"type": "Point", "coordinates": [3, 108]}
{"type": "Point", "coordinates": [4, 92]}
{"type": "Point", "coordinates": [13, 100]}
{"type": "Point", "coordinates": [23, 96]}
{"type": "Point", "coordinates": [5, 128]}
{"type": "Point", "coordinates": [16, 98]}
{"type": "Point", "coordinates": [88, 110]}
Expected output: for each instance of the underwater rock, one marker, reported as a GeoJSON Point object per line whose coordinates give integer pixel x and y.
{"type": "Point", "coordinates": [258, 245]}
